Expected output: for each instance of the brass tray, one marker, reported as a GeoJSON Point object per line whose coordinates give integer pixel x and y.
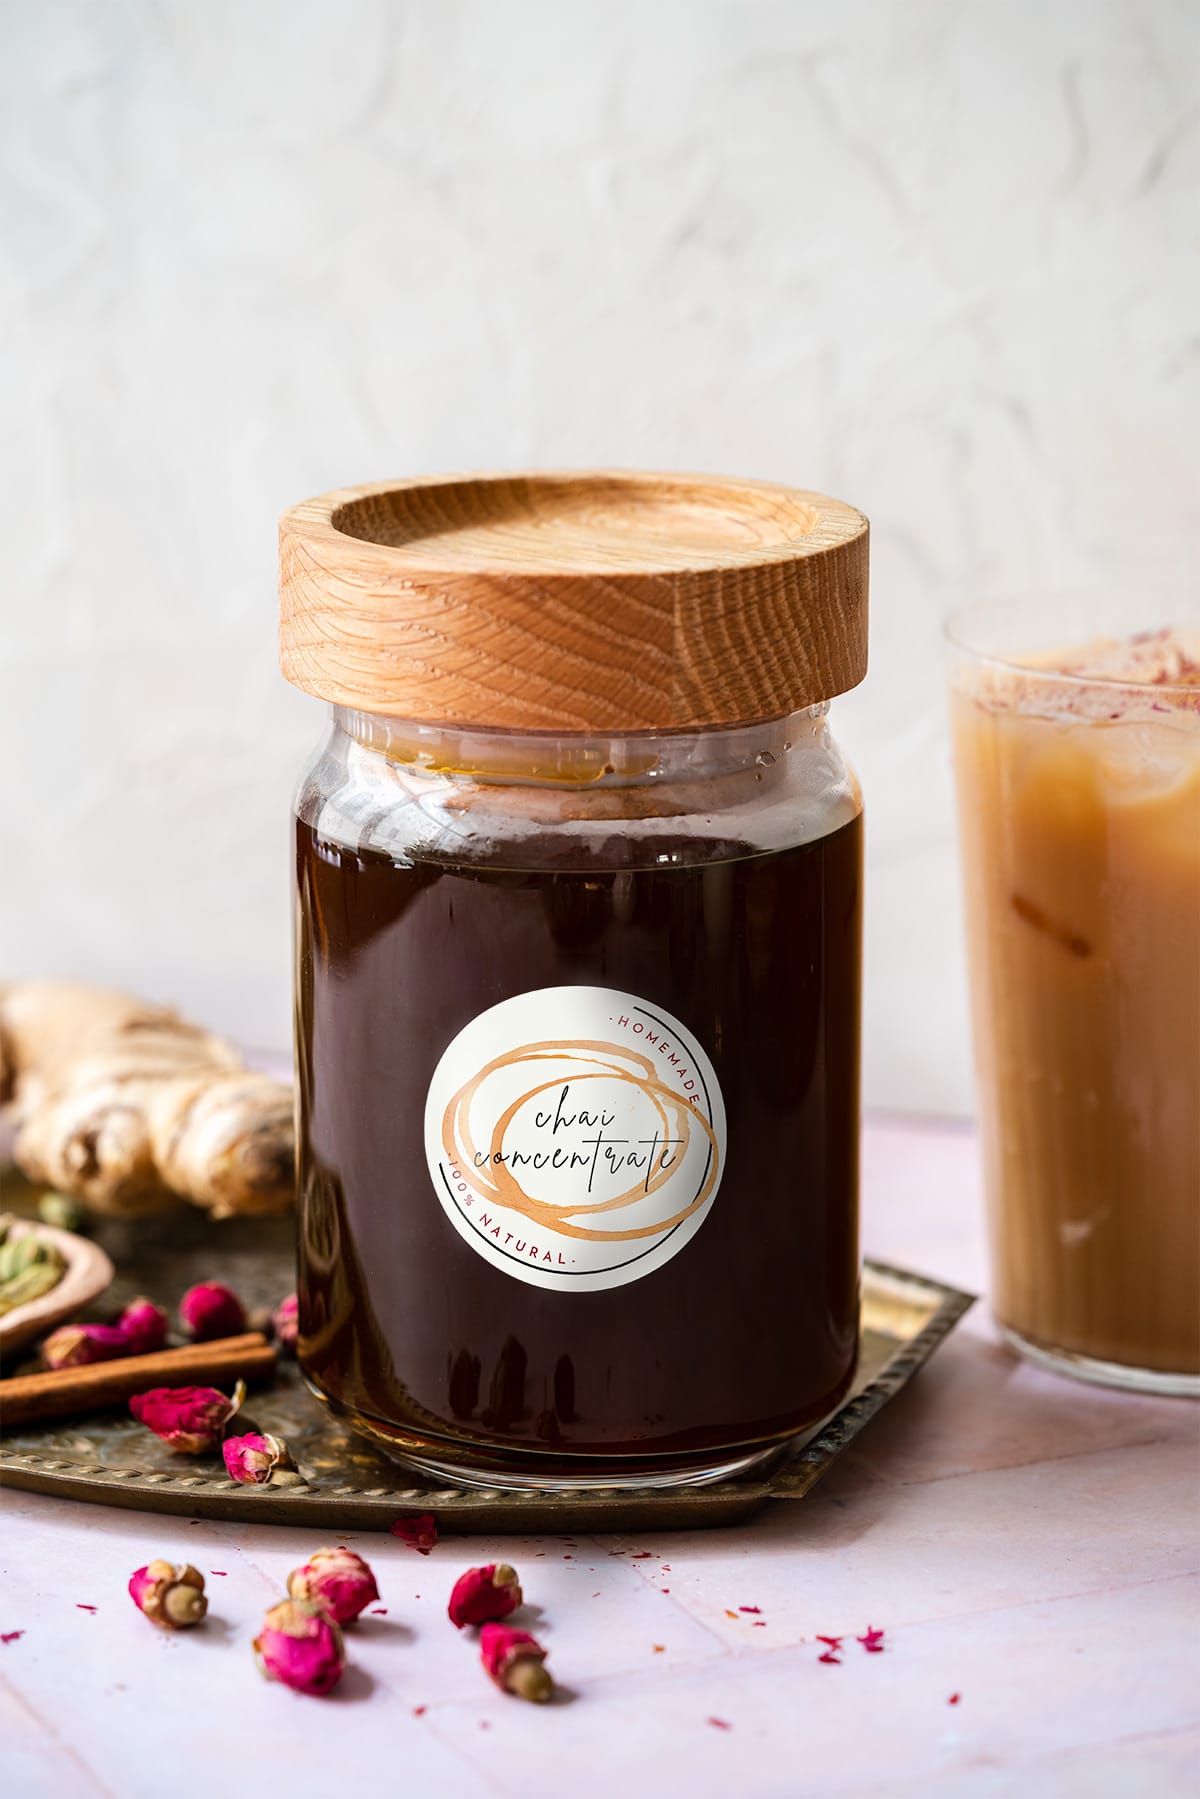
{"type": "Point", "coordinates": [349, 1485]}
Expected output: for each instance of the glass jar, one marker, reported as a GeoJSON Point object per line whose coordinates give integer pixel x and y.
{"type": "Point", "coordinates": [577, 1052]}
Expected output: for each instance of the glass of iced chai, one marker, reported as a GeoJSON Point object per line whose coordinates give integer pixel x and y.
{"type": "Point", "coordinates": [1077, 753]}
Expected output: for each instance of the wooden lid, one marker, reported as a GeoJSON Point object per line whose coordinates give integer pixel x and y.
{"type": "Point", "coordinates": [598, 601]}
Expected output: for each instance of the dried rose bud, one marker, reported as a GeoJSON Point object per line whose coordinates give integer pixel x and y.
{"type": "Point", "coordinates": [144, 1325]}
{"type": "Point", "coordinates": [300, 1644]}
{"type": "Point", "coordinates": [190, 1419]}
{"type": "Point", "coordinates": [256, 1459]}
{"type": "Point", "coordinates": [170, 1596]}
{"type": "Point", "coordinates": [483, 1595]}
{"type": "Point", "coordinates": [337, 1579]}
{"type": "Point", "coordinates": [287, 1323]}
{"type": "Point", "coordinates": [211, 1310]}
{"type": "Point", "coordinates": [75, 1345]}
{"type": "Point", "coordinates": [516, 1662]}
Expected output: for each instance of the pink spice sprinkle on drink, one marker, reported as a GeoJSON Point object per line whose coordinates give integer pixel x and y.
{"type": "Point", "coordinates": [83, 1608]}
{"type": "Point", "coordinates": [719, 1723]}
{"type": "Point", "coordinates": [10, 1636]}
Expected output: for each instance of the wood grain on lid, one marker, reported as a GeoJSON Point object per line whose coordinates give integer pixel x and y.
{"type": "Point", "coordinates": [574, 602]}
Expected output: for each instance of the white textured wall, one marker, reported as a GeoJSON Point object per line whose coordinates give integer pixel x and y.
{"type": "Point", "coordinates": [935, 256]}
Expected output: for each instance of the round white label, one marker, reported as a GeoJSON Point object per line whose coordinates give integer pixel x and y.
{"type": "Point", "coordinates": [575, 1136]}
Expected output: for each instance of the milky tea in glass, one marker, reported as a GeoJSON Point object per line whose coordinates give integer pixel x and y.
{"type": "Point", "coordinates": [1078, 769]}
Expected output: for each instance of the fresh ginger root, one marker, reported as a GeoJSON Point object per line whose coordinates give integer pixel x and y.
{"type": "Point", "coordinates": [124, 1105]}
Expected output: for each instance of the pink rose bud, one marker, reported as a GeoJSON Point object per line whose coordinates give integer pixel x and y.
{"type": "Point", "coordinates": [483, 1595]}
{"type": "Point", "coordinates": [516, 1662]}
{"type": "Point", "coordinates": [144, 1325]}
{"type": "Point", "coordinates": [191, 1419]}
{"type": "Point", "coordinates": [287, 1323]}
{"type": "Point", "coordinates": [337, 1579]}
{"type": "Point", "coordinates": [170, 1596]}
{"type": "Point", "coordinates": [211, 1310]}
{"type": "Point", "coordinates": [256, 1459]}
{"type": "Point", "coordinates": [75, 1345]}
{"type": "Point", "coordinates": [300, 1644]}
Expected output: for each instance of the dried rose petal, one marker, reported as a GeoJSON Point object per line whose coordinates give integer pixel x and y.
{"type": "Point", "coordinates": [211, 1310]}
{"type": "Point", "coordinates": [190, 1419]}
{"type": "Point", "coordinates": [337, 1579]}
{"type": "Point", "coordinates": [170, 1596]}
{"type": "Point", "coordinates": [516, 1662]}
{"type": "Point", "coordinates": [144, 1326]}
{"type": "Point", "coordinates": [872, 1642]}
{"type": "Point", "coordinates": [300, 1645]}
{"type": "Point", "coordinates": [256, 1459]}
{"type": "Point", "coordinates": [420, 1533]}
{"type": "Point", "coordinates": [286, 1319]}
{"type": "Point", "coordinates": [78, 1345]}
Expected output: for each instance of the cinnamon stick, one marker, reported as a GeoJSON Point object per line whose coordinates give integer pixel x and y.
{"type": "Point", "coordinates": [29, 1398]}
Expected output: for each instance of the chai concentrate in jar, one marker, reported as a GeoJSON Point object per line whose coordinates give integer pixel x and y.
{"type": "Point", "coordinates": [578, 918]}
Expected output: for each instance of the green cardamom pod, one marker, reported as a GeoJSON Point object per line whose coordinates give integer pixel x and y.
{"type": "Point", "coordinates": [39, 1278]}
{"type": "Point", "coordinates": [19, 1253]}
{"type": "Point", "coordinates": [61, 1210]}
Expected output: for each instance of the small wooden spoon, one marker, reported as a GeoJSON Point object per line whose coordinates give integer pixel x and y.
{"type": "Point", "coordinates": [87, 1273]}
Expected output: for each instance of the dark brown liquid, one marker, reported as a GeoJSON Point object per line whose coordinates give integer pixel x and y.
{"type": "Point", "coordinates": [749, 1333]}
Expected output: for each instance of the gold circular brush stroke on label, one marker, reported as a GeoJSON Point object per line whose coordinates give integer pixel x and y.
{"type": "Point", "coordinates": [505, 1189]}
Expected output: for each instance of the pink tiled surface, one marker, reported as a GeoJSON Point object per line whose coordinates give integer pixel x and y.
{"type": "Point", "coordinates": [1026, 1543]}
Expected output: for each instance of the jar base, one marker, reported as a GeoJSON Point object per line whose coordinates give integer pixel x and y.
{"type": "Point", "coordinates": [530, 1472]}
{"type": "Point", "coordinates": [440, 1468]}
{"type": "Point", "coordinates": [1101, 1373]}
